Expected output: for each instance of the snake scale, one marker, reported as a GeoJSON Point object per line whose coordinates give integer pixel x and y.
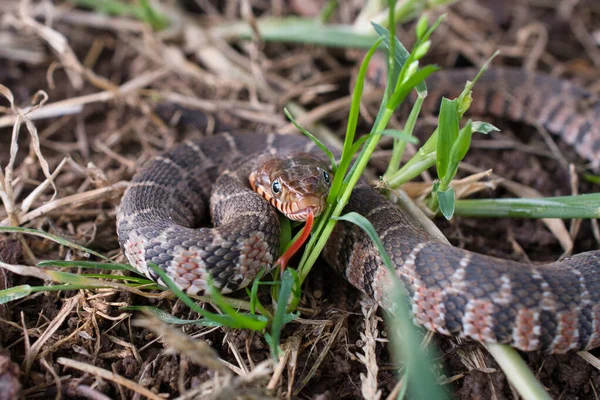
{"type": "Point", "coordinates": [552, 308]}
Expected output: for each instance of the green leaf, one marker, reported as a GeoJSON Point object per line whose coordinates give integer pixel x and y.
{"type": "Point", "coordinates": [352, 123]}
{"type": "Point", "coordinates": [448, 132]}
{"type": "Point", "coordinates": [313, 138]}
{"type": "Point", "coordinates": [285, 233]}
{"type": "Point", "coordinates": [74, 279]}
{"type": "Point", "coordinates": [54, 238]}
{"type": "Point", "coordinates": [134, 280]}
{"type": "Point", "coordinates": [458, 151]}
{"type": "Point", "coordinates": [591, 178]}
{"type": "Point", "coordinates": [296, 290]}
{"type": "Point", "coordinates": [400, 55]}
{"type": "Point", "coordinates": [253, 294]}
{"type": "Point", "coordinates": [357, 145]}
{"type": "Point", "coordinates": [87, 264]}
{"type": "Point", "coordinates": [433, 27]}
{"type": "Point", "coordinates": [446, 201]}
{"type": "Point", "coordinates": [14, 293]}
{"type": "Point", "coordinates": [418, 363]}
{"type": "Point", "coordinates": [250, 322]}
{"type": "Point", "coordinates": [412, 82]}
{"type": "Point", "coordinates": [287, 284]}
{"type": "Point", "coordinates": [421, 26]}
{"type": "Point", "coordinates": [484, 127]}
{"type": "Point", "coordinates": [399, 135]}
{"type": "Point", "coordinates": [422, 49]}
{"type": "Point", "coordinates": [170, 319]}
{"type": "Point", "coordinates": [566, 207]}
{"type": "Point", "coordinates": [465, 100]}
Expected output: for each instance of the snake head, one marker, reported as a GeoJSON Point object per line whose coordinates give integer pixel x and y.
{"type": "Point", "coordinates": [294, 185]}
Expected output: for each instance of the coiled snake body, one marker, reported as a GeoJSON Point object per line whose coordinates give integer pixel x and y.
{"type": "Point", "coordinates": [553, 308]}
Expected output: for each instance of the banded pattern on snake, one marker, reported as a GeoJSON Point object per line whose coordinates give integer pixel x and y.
{"type": "Point", "coordinates": [553, 308]}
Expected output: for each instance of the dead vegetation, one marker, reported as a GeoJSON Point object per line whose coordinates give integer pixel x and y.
{"type": "Point", "coordinates": [85, 97]}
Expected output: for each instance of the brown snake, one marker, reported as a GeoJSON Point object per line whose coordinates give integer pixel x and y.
{"type": "Point", "coordinates": [553, 308]}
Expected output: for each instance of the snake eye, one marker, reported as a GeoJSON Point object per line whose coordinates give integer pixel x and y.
{"type": "Point", "coordinates": [276, 187]}
{"type": "Point", "coordinates": [326, 176]}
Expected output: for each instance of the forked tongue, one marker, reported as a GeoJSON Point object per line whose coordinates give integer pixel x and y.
{"type": "Point", "coordinates": [289, 253]}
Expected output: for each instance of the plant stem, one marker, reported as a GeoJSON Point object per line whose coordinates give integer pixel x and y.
{"type": "Point", "coordinates": [400, 145]}
{"type": "Point", "coordinates": [345, 197]}
{"type": "Point", "coordinates": [424, 159]}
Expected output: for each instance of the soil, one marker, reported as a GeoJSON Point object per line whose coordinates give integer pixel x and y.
{"type": "Point", "coordinates": [107, 140]}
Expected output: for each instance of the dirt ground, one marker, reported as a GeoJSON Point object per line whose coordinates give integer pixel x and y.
{"type": "Point", "coordinates": [110, 71]}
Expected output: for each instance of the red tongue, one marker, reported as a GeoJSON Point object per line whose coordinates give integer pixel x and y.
{"type": "Point", "coordinates": [285, 257]}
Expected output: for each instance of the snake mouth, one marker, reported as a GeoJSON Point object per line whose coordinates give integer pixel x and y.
{"type": "Point", "coordinates": [302, 215]}
{"type": "Point", "coordinates": [299, 210]}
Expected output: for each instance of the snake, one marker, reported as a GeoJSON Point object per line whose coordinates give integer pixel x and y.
{"type": "Point", "coordinates": [193, 212]}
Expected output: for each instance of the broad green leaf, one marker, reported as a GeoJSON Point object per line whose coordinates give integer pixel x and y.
{"type": "Point", "coordinates": [14, 293]}
{"type": "Point", "coordinates": [446, 201]}
{"type": "Point", "coordinates": [484, 127]}
{"type": "Point", "coordinates": [448, 131]}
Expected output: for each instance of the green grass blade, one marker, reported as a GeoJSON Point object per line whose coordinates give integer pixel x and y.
{"type": "Point", "coordinates": [142, 11]}
{"type": "Point", "coordinates": [312, 137]}
{"type": "Point", "coordinates": [49, 236]}
{"type": "Point", "coordinates": [14, 293]}
{"type": "Point", "coordinates": [297, 30]}
{"type": "Point", "coordinates": [222, 319]}
{"type": "Point", "coordinates": [130, 279]}
{"type": "Point", "coordinates": [401, 55]}
{"type": "Point", "coordinates": [287, 284]}
{"type": "Point", "coordinates": [250, 321]}
{"type": "Point", "coordinates": [87, 264]}
{"type": "Point", "coordinates": [171, 319]}
{"type": "Point", "coordinates": [285, 233]}
{"type": "Point", "coordinates": [592, 178]}
{"type": "Point", "coordinates": [447, 134]}
{"type": "Point", "coordinates": [253, 293]}
{"type": "Point", "coordinates": [74, 279]}
{"type": "Point", "coordinates": [484, 127]}
{"type": "Point", "coordinates": [407, 86]}
{"type": "Point", "coordinates": [400, 135]}
{"type": "Point", "coordinates": [447, 200]}
{"type": "Point", "coordinates": [422, 381]}
{"type": "Point", "coordinates": [58, 288]}
{"type": "Point", "coordinates": [565, 207]}
{"type": "Point", "coordinates": [517, 372]}
{"type": "Point", "coordinates": [353, 115]}
{"type": "Point", "coordinates": [399, 146]}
